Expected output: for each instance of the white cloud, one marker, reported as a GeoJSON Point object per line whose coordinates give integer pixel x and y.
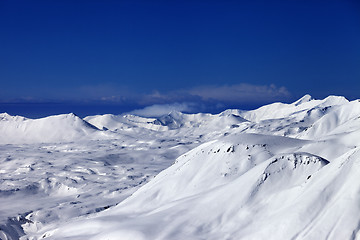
{"type": "Point", "coordinates": [235, 94]}
{"type": "Point", "coordinates": [240, 93]}
{"type": "Point", "coordinates": [158, 110]}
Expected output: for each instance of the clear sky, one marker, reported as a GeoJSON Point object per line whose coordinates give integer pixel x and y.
{"type": "Point", "coordinates": [93, 57]}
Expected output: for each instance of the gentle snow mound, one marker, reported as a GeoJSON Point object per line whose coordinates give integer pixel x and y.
{"type": "Point", "coordinates": [59, 128]}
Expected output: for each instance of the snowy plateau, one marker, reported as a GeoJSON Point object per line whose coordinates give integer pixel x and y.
{"type": "Point", "coordinates": [282, 171]}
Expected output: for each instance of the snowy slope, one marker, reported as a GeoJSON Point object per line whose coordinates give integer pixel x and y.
{"type": "Point", "coordinates": [175, 120]}
{"type": "Point", "coordinates": [341, 119]}
{"type": "Point", "coordinates": [238, 187]}
{"type": "Point", "coordinates": [121, 122]}
{"type": "Point", "coordinates": [283, 171]}
{"type": "Point", "coordinates": [60, 128]}
{"type": "Point", "coordinates": [282, 110]}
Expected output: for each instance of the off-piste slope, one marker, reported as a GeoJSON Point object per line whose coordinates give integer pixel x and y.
{"type": "Point", "coordinates": [59, 128]}
{"type": "Point", "coordinates": [292, 176]}
{"type": "Point", "coordinates": [238, 187]}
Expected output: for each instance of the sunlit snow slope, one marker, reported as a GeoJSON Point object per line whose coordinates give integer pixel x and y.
{"type": "Point", "coordinates": [283, 171]}
{"type": "Point", "coordinates": [60, 128]}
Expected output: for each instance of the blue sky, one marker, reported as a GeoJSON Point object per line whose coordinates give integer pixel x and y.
{"type": "Point", "coordinates": [114, 56]}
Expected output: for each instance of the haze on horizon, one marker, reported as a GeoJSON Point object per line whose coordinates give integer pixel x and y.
{"type": "Point", "coordinates": [95, 57]}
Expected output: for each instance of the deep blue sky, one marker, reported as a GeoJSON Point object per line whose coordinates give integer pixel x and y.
{"type": "Point", "coordinates": [112, 56]}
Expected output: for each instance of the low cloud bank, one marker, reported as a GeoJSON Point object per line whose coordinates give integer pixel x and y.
{"type": "Point", "coordinates": [241, 93]}
{"type": "Point", "coordinates": [158, 110]}
{"type": "Point", "coordinates": [210, 98]}
{"type": "Point", "coordinates": [219, 94]}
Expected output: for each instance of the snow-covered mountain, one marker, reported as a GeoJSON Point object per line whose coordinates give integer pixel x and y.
{"type": "Point", "coordinates": [282, 171]}
{"type": "Point", "coordinates": [59, 128]}
{"type": "Point", "coordinates": [282, 110]}
{"type": "Point", "coordinates": [173, 120]}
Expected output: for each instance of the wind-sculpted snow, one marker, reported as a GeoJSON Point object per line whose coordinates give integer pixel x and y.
{"type": "Point", "coordinates": [283, 171]}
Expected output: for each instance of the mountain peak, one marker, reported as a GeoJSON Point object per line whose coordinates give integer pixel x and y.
{"type": "Point", "coordinates": [4, 115]}
{"type": "Point", "coordinates": [335, 100]}
{"type": "Point", "coordinates": [304, 99]}
{"type": "Point", "coordinates": [7, 117]}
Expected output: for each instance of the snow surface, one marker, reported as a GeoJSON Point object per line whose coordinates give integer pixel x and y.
{"type": "Point", "coordinates": [283, 171]}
